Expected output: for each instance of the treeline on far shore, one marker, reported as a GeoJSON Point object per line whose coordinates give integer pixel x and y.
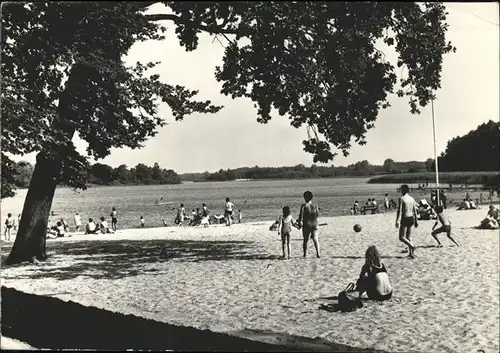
{"type": "Point", "coordinates": [488, 179]}
{"type": "Point", "coordinates": [300, 171]}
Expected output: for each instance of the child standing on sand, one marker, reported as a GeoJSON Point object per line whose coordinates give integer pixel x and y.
{"type": "Point", "coordinates": [408, 210]}
{"type": "Point", "coordinates": [285, 229]}
{"type": "Point", "coordinates": [240, 216]}
{"type": "Point", "coordinates": [445, 228]}
{"type": "Point", "coordinates": [308, 221]}
{"type": "Point", "coordinates": [114, 219]}
{"type": "Point", "coordinates": [143, 222]}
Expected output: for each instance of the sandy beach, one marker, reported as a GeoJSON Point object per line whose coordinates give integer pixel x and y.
{"type": "Point", "coordinates": [231, 280]}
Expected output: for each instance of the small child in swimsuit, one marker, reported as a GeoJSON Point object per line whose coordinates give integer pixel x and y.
{"type": "Point", "coordinates": [445, 228]}
{"type": "Point", "coordinates": [285, 229]}
{"type": "Point", "coordinates": [308, 221]}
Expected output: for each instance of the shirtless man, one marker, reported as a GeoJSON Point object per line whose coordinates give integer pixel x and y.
{"type": "Point", "coordinates": [408, 210]}
{"type": "Point", "coordinates": [308, 220]}
{"type": "Point", "coordinates": [445, 228]}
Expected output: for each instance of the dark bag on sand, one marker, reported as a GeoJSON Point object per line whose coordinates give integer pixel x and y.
{"type": "Point", "coordinates": [349, 299]}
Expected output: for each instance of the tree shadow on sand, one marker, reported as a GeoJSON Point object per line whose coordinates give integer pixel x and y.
{"type": "Point", "coordinates": [113, 259]}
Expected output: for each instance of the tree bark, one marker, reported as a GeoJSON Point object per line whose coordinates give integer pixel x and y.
{"type": "Point", "coordinates": [32, 231]}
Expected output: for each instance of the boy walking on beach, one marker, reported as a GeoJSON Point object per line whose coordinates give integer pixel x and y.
{"type": "Point", "coordinates": [408, 210]}
{"type": "Point", "coordinates": [445, 228]}
{"type": "Point", "coordinates": [308, 221]}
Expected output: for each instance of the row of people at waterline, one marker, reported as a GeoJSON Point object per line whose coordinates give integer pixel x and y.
{"type": "Point", "coordinates": [95, 228]}
{"type": "Point", "coordinates": [371, 202]}
{"type": "Point", "coordinates": [202, 217]}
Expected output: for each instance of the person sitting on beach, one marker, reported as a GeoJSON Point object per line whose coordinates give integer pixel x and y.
{"type": "Point", "coordinates": [273, 227]}
{"type": "Point", "coordinates": [285, 229]}
{"type": "Point", "coordinates": [104, 227]}
{"type": "Point", "coordinates": [308, 221]}
{"type": "Point", "coordinates": [408, 210]}
{"type": "Point", "coordinates": [64, 224]}
{"type": "Point", "coordinates": [492, 219]}
{"type": "Point", "coordinates": [91, 227]}
{"type": "Point", "coordinates": [374, 279]}
{"type": "Point", "coordinates": [445, 226]}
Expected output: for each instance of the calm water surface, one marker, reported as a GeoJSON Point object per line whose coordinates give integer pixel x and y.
{"type": "Point", "coordinates": [259, 200]}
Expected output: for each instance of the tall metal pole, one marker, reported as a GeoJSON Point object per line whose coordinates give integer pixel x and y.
{"type": "Point", "coordinates": [435, 154]}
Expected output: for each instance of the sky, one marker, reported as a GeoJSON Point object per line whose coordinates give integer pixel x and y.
{"type": "Point", "coordinates": [233, 138]}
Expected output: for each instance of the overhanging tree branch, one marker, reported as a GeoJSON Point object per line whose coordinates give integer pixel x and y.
{"type": "Point", "coordinates": [212, 29]}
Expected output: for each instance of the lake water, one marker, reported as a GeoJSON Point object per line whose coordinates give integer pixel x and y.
{"type": "Point", "coordinates": [259, 200]}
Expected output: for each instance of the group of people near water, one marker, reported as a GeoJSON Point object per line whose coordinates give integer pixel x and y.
{"type": "Point", "coordinates": [202, 216]}
{"type": "Point", "coordinates": [61, 228]}
{"type": "Point", "coordinates": [372, 206]}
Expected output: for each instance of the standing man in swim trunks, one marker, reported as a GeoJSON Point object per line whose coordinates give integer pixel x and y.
{"type": "Point", "coordinates": [408, 210]}
{"type": "Point", "coordinates": [228, 211]}
{"type": "Point", "coordinates": [308, 220]}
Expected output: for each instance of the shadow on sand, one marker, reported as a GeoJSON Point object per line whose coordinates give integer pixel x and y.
{"type": "Point", "coordinates": [114, 259]}
{"type": "Point", "coordinates": [52, 323]}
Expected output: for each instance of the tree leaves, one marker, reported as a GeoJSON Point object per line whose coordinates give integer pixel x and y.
{"type": "Point", "coordinates": [314, 62]}
{"type": "Point", "coordinates": [62, 72]}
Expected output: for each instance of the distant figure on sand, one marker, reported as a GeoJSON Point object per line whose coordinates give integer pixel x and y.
{"type": "Point", "coordinates": [205, 214]}
{"type": "Point", "coordinates": [285, 229]}
{"type": "Point", "coordinates": [181, 214]}
{"type": "Point", "coordinates": [308, 221]}
{"type": "Point", "coordinates": [492, 219]}
{"type": "Point", "coordinates": [78, 222]}
{"type": "Point", "coordinates": [228, 211]}
{"type": "Point", "coordinates": [91, 227]}
{"type": "Point", "coordinates": [143, 222]}
{"type": "Point", "coordinates": [9, 225]}
{"type": "Point", "coordinates": [104, 227]}
{"type": "Point", "coordinates": [240, 216]}
{"type": "Point", "coordinates": [445, 226]}
{"type": "Point", "coordinates": [374, 279]}
{"type": "Point", "coordinates": [408, 210]}
{"type": "Point", "coordinates": [386, 202]}
{"type": "Point", "coordinates": [114, 219]}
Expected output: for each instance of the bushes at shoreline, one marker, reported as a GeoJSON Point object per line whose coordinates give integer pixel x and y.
{"type": "Point", "coordinates": [483, 178]}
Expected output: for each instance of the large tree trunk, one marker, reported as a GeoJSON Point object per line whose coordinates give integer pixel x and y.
{"type": "Point", "coordinates": [31, 234]}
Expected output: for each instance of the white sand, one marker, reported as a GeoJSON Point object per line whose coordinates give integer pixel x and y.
{"type": "Point", "coordinates": [446, 300]}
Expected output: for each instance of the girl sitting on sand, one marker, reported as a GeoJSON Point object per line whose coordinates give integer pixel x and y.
{"type": "Point", "coordinates": [373, 278]}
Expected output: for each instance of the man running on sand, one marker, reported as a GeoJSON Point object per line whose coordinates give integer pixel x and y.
{"type": "Point", "coordinates": [308, 220]}
{"type": "Point", "coordinates": [408, 210]}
